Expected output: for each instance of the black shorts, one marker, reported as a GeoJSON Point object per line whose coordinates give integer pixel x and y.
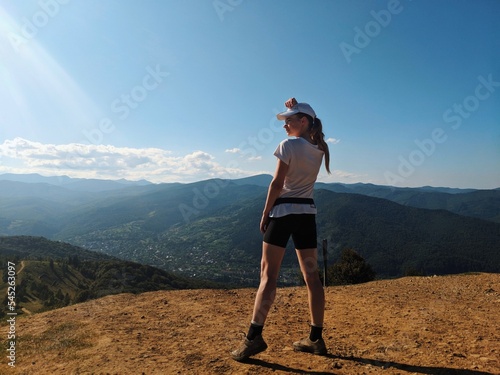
{"type": "Point", "coordinates": [302, 228]}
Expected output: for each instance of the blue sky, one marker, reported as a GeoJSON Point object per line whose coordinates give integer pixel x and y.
{"type": "Point", "coordinates": [408, 91]}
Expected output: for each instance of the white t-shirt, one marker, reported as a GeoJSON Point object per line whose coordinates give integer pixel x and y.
{"type": "Point", "coordinates": [304, 161]}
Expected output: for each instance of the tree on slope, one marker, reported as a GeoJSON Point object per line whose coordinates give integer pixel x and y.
{"type": "Point", "coordinates": [351, 268]}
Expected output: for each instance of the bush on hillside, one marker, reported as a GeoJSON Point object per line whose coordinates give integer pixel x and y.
{"type": "Point", "coordinates": [351, 268]}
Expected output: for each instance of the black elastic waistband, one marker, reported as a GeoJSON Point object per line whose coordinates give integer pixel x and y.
{"type": "Point", "coordinates": [294, 200]}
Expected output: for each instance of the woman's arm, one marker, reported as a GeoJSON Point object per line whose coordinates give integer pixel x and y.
{"type": "Point", "coordinates": [273, 192]}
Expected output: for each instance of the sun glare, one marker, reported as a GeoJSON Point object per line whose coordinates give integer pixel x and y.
{"type": "Point", "coordinates": [36, 88]}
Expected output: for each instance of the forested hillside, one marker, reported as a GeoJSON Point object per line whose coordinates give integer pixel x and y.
{"type": "Point", "coordinates": [52, 274]}
{"type": "Point", "coordinates": [224, 243]}
{"type": "Point", "coordinates": [209, 229]}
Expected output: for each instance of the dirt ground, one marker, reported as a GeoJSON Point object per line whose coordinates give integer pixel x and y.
{"type": "Point", "coordinates": [413, 325]}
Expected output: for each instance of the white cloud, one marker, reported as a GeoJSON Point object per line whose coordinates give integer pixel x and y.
{"type": "Point", "coordinates": [333, 141]}
{"type": "Point", "coordinates": [109, 162]}
{"type": "Point", "coordinates": [241, 154]}
{"type": "Point", "coordinates": [339, 176]}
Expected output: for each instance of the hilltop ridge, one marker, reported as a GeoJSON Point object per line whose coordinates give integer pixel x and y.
{"type": "Point", "coordinates": [427, 325]}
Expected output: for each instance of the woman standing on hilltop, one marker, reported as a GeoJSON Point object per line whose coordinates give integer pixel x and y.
{"type": "Point", "coordinates": [290, 211]}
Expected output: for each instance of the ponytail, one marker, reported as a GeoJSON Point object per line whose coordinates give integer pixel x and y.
{"type": "Point", "coordinates": [316, 133]}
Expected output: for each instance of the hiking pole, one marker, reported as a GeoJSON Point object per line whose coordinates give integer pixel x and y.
{"type": "Point", "coordinates": [325, 260]}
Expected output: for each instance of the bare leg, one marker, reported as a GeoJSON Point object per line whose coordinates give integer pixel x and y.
{"type": "Point", "coordinates": [272, 257]}
{"type": "Point", "coordinates": [308, 260]}
{"type": "Point", "coordinates": [270, 267]}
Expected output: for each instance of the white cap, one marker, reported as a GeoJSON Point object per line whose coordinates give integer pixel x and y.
{"type": "Point", "coordinates": [297, 108]}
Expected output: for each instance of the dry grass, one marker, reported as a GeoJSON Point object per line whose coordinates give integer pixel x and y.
{"type": "Point", "coordinates": [417, 325]}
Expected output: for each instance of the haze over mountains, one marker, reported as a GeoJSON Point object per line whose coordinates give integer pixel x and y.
{"type": "Point", "coordinates": [209, 229]}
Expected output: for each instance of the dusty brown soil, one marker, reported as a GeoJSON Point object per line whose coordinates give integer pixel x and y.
{"type": "Point", "coordinates": [418, 325]}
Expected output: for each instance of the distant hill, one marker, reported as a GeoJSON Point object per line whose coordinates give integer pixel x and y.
{"type": "Point", "coordinates": [209, 229]}
{"type": "Point", "coordinates": [258, 180]}
{"type": "Point", "coordinates": [40, 209]}
{"type": "Point", "coordinates": [79, 184]}
{"type": "Point", "coordinates": [223, 241]}
{"type": "Point", "coordinates": [482, 204]}
{"type": "Point", "coordinates": [396, 239]}
{"type": "Point", "coordinates": [54, 274]}
{"type": "Point", "coordinates": [382, 191]}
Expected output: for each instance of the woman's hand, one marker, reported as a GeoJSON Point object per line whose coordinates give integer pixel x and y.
{"type": "Point", "coordinates": [264, 223]}
{"type": "Point", "coordinates": [292, 102]}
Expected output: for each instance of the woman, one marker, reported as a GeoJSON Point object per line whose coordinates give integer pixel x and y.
{"type": "Point", "coordinates": [290, 211]}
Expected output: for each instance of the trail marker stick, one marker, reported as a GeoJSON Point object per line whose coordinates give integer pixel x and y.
{"type": "Point", "coordinates": [325, 260]}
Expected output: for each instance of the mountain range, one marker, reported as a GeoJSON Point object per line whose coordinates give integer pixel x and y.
{"type": "Point", "coordinates": [209, 229]}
